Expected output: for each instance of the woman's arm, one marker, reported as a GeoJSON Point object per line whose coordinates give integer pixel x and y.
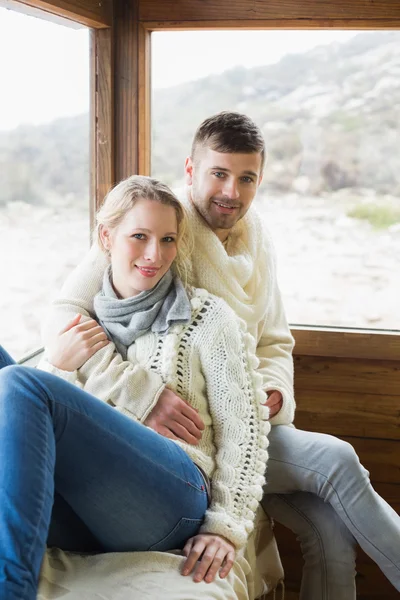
{"type": "Point", "coordinates": [240, 426]}
{"type": "Point", "coordinates": [129, 387]}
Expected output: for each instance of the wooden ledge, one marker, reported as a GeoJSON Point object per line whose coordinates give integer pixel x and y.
{"type": "Point", "coordinates": [346, 343]}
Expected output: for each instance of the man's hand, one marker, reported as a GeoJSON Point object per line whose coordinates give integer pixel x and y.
{"type": "Point", "coordinates": [174, 418]}
{"type": "Point", "coordinates": [76, 343]}
{"type": "Point", "coordinates": [215, 552]}
{"type": "Point", "coordinates": [274, 402]}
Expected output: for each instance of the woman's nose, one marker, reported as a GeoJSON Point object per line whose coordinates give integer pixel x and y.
{"type": "Point", "coordinates": [152, 252]}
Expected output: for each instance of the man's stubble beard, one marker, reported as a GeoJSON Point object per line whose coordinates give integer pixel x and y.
{"type": "Point", "coordinates": [204, 211]}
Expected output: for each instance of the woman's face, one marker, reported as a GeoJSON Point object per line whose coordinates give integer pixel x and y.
{"type": "Point", "coordinates": [142, 247]}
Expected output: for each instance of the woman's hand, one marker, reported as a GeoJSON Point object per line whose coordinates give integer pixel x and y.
{"type": "Point", "coordinates": [76, 343]}
{"type": "Point", "coordinates": [215, 551]}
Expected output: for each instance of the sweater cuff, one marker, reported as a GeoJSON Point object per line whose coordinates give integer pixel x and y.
{"type": "Point", "coordinates": [286, 414]}
{"type": "Point", "coordinates": [220, 523]}
{"type": "Point", "coordinates": [70, 376]}
{"type": "Point", "coordinates": [142, 407]}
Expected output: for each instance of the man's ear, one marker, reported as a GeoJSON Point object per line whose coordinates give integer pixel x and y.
{"type": "Point", "coordinates": [188, 171]}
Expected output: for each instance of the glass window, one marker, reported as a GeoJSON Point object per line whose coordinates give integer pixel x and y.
{"type": "Point", "coordinates": [328, 103]}
{"type": "Point", "coordinates": [44, 169]}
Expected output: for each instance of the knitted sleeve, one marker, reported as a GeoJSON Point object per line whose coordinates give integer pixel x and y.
{"type": "Point", "coordinates": [240, 428]}
{"type": "Point", "coordinates": [275, 346]}
{"type": "Point", "coordinates": [129, 387]}
{"type": "Point", "coordinates": [77, 293]}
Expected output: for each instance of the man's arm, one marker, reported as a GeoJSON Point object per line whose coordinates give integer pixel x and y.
{"type": "Point", "coordinates": [76, 295]}
{"type": "Point", "coordinates": [274, 350]}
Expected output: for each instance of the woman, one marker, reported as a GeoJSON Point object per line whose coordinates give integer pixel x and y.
{"type": "Point", "coordinates": [116, 484]}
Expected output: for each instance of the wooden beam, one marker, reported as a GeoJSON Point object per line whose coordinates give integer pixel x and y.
{"type": "Point", "coordinates": [126, 76]}
{"type": "Point", "coordinates": [144, 106]}
{"type": "Point", "coordinates": [257, 10]}
{"type": "Point", "coordinates": [102, 117]}
{"type": "Point", "coordinates": [277, 23]}
{"type": "Point", "coordinates": [90, 13]}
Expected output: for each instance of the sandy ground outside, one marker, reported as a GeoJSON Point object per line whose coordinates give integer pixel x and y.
{"type": "Point", "coordinates": [332, 270]}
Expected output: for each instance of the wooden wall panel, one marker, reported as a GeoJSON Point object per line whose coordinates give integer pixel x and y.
{"type": "Point", "coordinates": [245, 10]}
{"type": "Point", "coordinates": [348, 413]}
{"type": "Point", "coordinates": [359, 401]}
{"type": "Point", "coordinates": [347, 375]}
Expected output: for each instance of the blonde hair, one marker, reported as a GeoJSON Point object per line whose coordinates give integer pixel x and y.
{"type": "Point", "coordinates": [123, 197]}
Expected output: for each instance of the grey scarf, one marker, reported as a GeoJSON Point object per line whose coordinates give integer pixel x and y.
{"type": "Point", "coordinates": [124, 320]}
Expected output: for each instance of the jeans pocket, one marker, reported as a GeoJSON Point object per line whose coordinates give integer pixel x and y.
{"type": "Point", "coordinates": [193, 476]}
{"type": "Point", "coordinates": [176, 539]}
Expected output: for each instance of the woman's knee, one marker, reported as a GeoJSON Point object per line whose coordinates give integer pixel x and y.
{"type": "Point", "coordinates": [18, 383]}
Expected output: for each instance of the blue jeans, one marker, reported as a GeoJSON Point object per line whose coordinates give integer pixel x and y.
{"type": "Point", "coordinates": [116, 484]}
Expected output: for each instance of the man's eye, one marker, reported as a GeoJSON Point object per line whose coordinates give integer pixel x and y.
{"type": "Point", "coordinates": [247, 180]}
{"type": "Point", "coordinates": [219, 174]}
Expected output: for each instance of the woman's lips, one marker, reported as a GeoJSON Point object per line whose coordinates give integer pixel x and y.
{"type": "Point", "coordinates": [147, 271]}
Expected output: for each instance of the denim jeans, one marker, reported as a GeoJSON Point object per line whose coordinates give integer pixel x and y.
{"type": "Point", "coordinates": [317, 487]}
{"type": "Point", "coordinates": [116, 484]}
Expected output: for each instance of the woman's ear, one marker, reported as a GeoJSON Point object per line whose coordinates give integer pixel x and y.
{"type": "Point", "coordinates": [105, 236]}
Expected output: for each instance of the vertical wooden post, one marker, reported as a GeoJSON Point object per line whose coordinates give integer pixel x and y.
{"type": "Point", "coordinates": [101, 117]}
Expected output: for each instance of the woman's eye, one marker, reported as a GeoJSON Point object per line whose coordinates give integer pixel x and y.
{"type": "Point", "coordinates": [168, 239]}
{"type": "Point", "coordinates": [138, 236]}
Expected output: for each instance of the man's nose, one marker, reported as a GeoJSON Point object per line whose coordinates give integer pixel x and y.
{"type": "Point", "coordinates": [231, 189]}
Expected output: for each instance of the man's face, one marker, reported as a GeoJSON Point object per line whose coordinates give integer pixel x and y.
{"type": "Point", "coordinates": [223, 186]}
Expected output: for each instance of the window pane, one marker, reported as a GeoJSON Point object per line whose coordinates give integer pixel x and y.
{"type": "Point", "coordinates": [44, 141]}
{"type": "Point", "coordinates": [328, 103]}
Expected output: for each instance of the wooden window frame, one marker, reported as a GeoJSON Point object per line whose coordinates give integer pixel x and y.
{"type": "Point", "coordinates": [121, 90]}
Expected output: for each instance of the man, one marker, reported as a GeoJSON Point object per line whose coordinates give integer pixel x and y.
{"type": "Point", "coordinates": [234, 259]}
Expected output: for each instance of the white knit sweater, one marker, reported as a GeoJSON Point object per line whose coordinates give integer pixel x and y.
{"type": "Point", "coordinates": [211, 363]}
{"type": "Point", "coordinates": [243, 273]}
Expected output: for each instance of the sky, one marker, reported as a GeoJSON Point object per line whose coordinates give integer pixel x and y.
{"type": "Point", "coordinates": [44, 66]}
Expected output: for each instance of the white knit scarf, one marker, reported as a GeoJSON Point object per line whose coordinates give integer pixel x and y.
{"type": "Point", "coordinates": [237, 271]}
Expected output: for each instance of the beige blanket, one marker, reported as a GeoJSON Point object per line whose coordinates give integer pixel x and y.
{"type": "Point", "coordinates": [156, 575]}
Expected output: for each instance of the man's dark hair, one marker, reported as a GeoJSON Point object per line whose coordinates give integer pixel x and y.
{"type": "Point", "coordinates": [229, 132]}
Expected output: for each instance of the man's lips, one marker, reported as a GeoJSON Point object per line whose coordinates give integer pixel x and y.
{"type": "Point", "coordinates": [223, 207]}
{"type": "Point", "coordinates": [148, 271]}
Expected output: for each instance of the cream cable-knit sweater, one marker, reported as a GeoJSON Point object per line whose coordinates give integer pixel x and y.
{"type": "Point", "coordinates": [211, 362]}
{"type": "Point", "coordinates": [243, 273]}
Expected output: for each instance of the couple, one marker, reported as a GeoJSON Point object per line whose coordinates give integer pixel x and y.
{"type": "Point", "coordinates": [180, 362]}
